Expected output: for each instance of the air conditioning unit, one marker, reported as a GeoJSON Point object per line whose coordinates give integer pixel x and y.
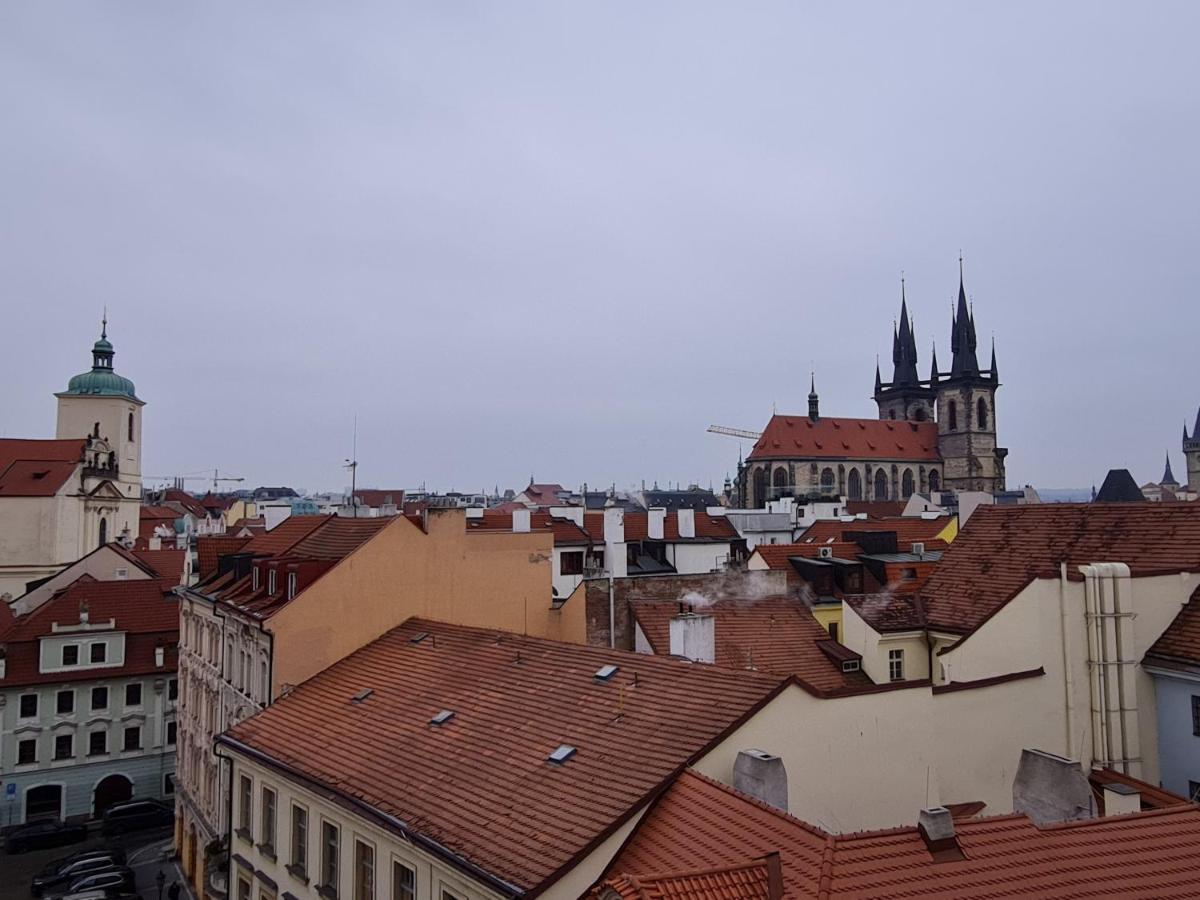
{"type": "Point", "coordinates": [824, 553]}
{"type": "Point", "coordinates": [918, 549]}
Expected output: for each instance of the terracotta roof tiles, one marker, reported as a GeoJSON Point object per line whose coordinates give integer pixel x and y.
{"type": "Point", "coordinates": [211, 547]}
{"type": "Point", "coordinates": [909, 530]}
{"type": "Point", "coordinates": [284, 535]}
{"type": "Point", "coordinates": [791, 437]}
{"type": "Point", "coordinates": [1180, 642]}
{"type": "Point", "coordinates": [499, 803]}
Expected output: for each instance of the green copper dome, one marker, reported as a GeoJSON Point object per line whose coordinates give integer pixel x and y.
{"type": "Point", "coordinates": [102, 381]}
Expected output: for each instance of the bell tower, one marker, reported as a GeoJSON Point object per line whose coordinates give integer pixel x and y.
{"type": "Point", "coordinates": [906, 396]}
{"type": "Point", "coordinates": [1191, 453]}
{"type": "Point", "coordinates": [966, 409]}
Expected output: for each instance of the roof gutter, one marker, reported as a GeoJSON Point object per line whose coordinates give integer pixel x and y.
{"type": "Point", "coordinates": [370, 812]}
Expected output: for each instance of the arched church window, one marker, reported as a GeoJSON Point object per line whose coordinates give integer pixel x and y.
{"type": "Point", "coordinates": [95, 429]}
{"type": "Point", "coordinates": [131, 426]}
{"type": "Point", "coordinates": [935, 481]}
{"type": "Point", "coordinates": [827, 481]}
{"type": "Point", "coordinates": [952, 415]}
{"type": "Point", "coordinates": [981, 416]}
{"type": "Point", "coordinates": [103, 532]}
{"type": "Point", "coordinates": [760, 487]}
{"type": "Point", "coordinates": [781, 482]}
{"type": "Point", "coordinates": [919, 415]}
{"type": "Point", "coordinates": [854, 485]}
{"type": "Point", "coordinates": [907, 483]}
{"type": "Point", "coordinates": [881, 485]}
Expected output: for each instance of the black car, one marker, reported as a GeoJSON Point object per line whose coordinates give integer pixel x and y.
{"type": "Point", "coordinates": [47, 833]}
{"type": "Point", "coordinates": [121, 879]}
{"type": "Point", "coordinates": [60, 874]}
{"type": "Point", "coordinates": [135, 815]}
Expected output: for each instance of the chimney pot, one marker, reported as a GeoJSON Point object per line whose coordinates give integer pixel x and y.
{"type": "Point", "coordinates": [936, 827]}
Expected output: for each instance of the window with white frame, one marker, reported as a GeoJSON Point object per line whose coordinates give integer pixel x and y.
{"type": "Point", "coordinates": [404, 881]}
{"type": "Point", "coordinates": [98, 652]}
{"type": "Point", "coordinates": [245, 805]}
{"type": "Point", "coordinates": [896, 665]}
{"type": "Point", "coordinates": [299, 864]}
{"type": "Point", "coordinates": [364, 871]}
{"type": "Point", "coordinates": [271, 582]}
{"type": "Point", "coordinates": [329, 857]}
{"type": "Point", "coordinates": [267, 836]}
{"type": "Point", "coordinates": [291, 585]}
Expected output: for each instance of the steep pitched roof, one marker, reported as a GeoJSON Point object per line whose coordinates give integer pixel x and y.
{"type": "Point", "coordinates": [779, 556]}
{"type": "Point", "coordinates": [284, 535]}
{"type": "Point", "coordinates": [889, 612]}
{"type": "Point", "coordinates": [909, 530]}
{"type": "Point", "coordinates": [66, 450]}
{"type": "Point", "coordinates": [698, 824]}
{"type": "Point", "coordinates": [565, 531]}
{"type": "Point", "coordinates": [499, 803]}
{"type": "Point", "coordinates": [748, 881]}
{"type": "Point", "coordinates": [791, 437]}
{"type": "Point", "coordinates": [1180, 642]}
{"type": "Point", "coordinates": [211, 547]}
{"type": "Point", "coordinates": [774, 634]}
{"type": "Point", "coordinates": [1119, 487]}
{"type": "Point", "coordinates": [35, 478]}
{"type": "Point", "coordinates": [1004, 548]}
{"type": "Point", "coordinates": [167, 564]}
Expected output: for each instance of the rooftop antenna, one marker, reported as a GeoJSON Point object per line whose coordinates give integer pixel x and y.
{"type": "Point", "coordinates": [352, 465]}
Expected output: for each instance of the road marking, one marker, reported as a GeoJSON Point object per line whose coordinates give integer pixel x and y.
{"type": "Point", "coordinates": [160, 846]}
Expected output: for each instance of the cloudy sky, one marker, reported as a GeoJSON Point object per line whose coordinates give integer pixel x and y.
{"type": "Point", "coordinates": [563, 239]}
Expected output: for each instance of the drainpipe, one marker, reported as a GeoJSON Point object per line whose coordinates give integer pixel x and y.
{"type": "Point", "coordinates": [612, 610]}
{"type": "Point", "coordinates": [1066, 656]}
{"type": "Point", "coordinates": [1095, 655]}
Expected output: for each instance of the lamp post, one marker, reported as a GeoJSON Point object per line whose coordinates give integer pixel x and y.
{"type": "Point", "coordinates": [160, 879]}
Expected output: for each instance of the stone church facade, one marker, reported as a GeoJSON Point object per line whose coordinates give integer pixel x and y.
{"type": "Point", "coordinates": [932, 434]}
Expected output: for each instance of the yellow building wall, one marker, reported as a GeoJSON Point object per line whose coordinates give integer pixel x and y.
{"type": "Point", "coordinates": [491, 580]}
{"type": "Point", "coordinates": [827, 615]}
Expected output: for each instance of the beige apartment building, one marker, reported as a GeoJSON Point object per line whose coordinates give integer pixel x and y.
{"type": "Point", "coordinates": [300, 597]}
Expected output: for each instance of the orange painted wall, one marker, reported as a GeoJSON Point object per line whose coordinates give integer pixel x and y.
{"type": "Point", "coordinates": [489, 580]}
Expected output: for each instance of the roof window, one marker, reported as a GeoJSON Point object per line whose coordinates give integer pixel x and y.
{"type": "Point", "coordinates": [561, 754]}
{"type": "Point", "coordinates": [362, 695]}
{"type": "Point", "coordinates": [442, 718]}
{"type": "Point", "coordinates": [604, 673]}
{"type": "Point", "coordinates": [418, 637]}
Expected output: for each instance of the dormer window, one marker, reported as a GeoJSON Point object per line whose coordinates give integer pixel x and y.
{"type": "Point", "coordinates": [291, 585]}
{"type": "Point", "coordinates": [70, 655]}
{"type": "Point", "coordinates": [271, 582]}
{"type": "Point", "coordinates": [254, 578]}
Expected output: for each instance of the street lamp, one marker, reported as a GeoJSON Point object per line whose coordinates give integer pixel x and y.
{"type": "Point", "coordinates": [160, 879]}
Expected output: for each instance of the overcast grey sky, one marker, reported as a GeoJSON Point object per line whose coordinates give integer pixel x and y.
{"type": "Point", "coordinates": [563, 239]}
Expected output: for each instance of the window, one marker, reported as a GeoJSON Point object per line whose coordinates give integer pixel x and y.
{"type": "Point", "coordinates": [130, 426]}
{"type": "Point", "coordinates": [168, 785]}
{"type": "Point", "coordinates": [254, 579]}
{"type": "Point", "coordinates": [1195, 714]}
{"type": "Point", "coordinates": [404, 882]}
{"type": "Point", "coordinates": [172, 734]}
{"type": "Point", "coordinates": [952, 415]}
{"type": "Point", "coordinates": [291, 585]}
{"type": "Point", "coordinates": [121, 574]}
{"type": "Point", "coordinates": [833, 630]}
{"type": "Point", "coordinates": [267, 838]}
{"type": "Point", "coordinates": [329, 857]}
{"type": "Point", "coordinates": [245, 804]}
{"type": "Point", "coordinates": [65, 703]}
{"type": "Point", "coordinates": [173, 689]}
{"type": "Point", "coordinates": [70, 655]}
{"type": "Point", "coordinates": [98, 653]}
{"type": "Point", "coordinates": [908, 574]}
{"type": "Point", "coordinates": [271, 582]}
{"type": "Point", "coordinates": [64, 746]}
{"type": "Point", "coordinates": [26, 752]}
{"type": "Point", "coordinates": [571, 563]}
{"type": "Point", "coordinates": [97, 743]}
{"type": "Point", "coordinates": [1194, 791]}
{"type": "Point", "coordinates": [243, 889]}
{"type": "Point", "coordinates": [133, 694]}
{"type": "Point", "coordinates": [99, 698]}
{"type": "Point", "coordinates": [133, 738]}
{"type": "Point", "coordinates": [364, 871]}
{"type": "Point", "coordinates": [981, 414]}
{"type": "Point", "coordinates": [28, 706]}
{"type": "Point", "coordinates": [299, 840]}
{"type": "Point", "coordinates": [103, 532]}
{"type": "Point", "coordinates": [266, 685]}
{"type": "Point", "coordinates": [896, 665]}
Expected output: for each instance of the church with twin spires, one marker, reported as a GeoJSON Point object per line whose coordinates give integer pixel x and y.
{"type": "Point", "coordinates": [932, 434]}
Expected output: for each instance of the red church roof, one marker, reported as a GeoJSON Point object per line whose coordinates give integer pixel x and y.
{"type": "Point", "coordinates": [789, 437]}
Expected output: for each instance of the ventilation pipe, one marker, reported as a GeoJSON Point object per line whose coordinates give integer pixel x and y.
{"type": "Point", "coordinates": [1111, 667]}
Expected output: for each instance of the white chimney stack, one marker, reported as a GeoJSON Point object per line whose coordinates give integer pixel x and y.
{"type": "Point", "coordinates": [656, 519]}
{"type": "Point", "coordinates": [687, 523]}
{"type": "Point", "coordinates": [1120, 799]}
{"type": "Point", "coordinates": [520, 521]}
{"type": "Point", "coordinates": [570, 513]}
{"type": "Point", "coordinates": [695, 637]}
{"type": "Point", "coordinates": [614, 525]}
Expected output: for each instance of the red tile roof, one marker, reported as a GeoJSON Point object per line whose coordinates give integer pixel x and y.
{"type": "Point", "coordinates": [144, 609]}
{"type": "Point", "coordinates": [156, 513]}
{"type": "Point", "coordinates": [544, 494]}
{"type": "Point", "coordinates": [336, 537]}
{"type": "Point", "coordinates": [789, 437]}
{"type": "Point", "coordinates": [749, 881]}
{"type": "Point", "coordinates": [168, 564]}
{"type": "Point", "coordinates": [284, 535]}
{"type": "Point", "coordinates": [1004, 548]}
{"type": "Point", "coordinates": [68, 450]}
{"type": "Point", "coordinates": [1180, 642]}
{"type": "Point", "coordinates": [776, 556]}
{"type": "Point", "coordinates": [877, 509]}
{"type": "Point", "coordinates": [774, 634]}
{"type": "Point", "coordinates": [708, 528]}
{"type": "Point", "coordinates": [698, 824]}
{"type": "Point", "coordinates": [375, 497]}
{"type": "Point", "coordinates": [185, 500]}
{"type": "Point", "coordinates": [35, 478]}
{"type": "Point", "coordinates": [565, 530]}
{"type": "Point", "coordinates": [481, 785]}
{"type": "Point", "coordinates": [888, 612]}
{"type": "Point", "coordinates": [211, 547]}
{"type": "Point", "coordinates": [909, 529]}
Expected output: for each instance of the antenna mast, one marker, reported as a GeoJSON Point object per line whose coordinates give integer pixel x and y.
{"type": "Point", "coordinates": [352, 465]}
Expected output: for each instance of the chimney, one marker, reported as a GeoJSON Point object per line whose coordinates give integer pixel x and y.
{"type": "Point", "coordinates": [694, 636]}
{"type": "Point", "coordinates": [159, 656]}
{"type": "Point", "coordinates": [774, 876]}
{"type": "Point", "coordinates": [1050, 788]}
{"type": "Point", "coordinates": [614, 525]}
{"type": "Point", "coordinates": [520, 520]}
{"type": "Point", "coordinates": [687, 523]}
{"type": "Point", "coordinates": [1120, 799]}
{"type": "Point", "coordinates": [762, 776]}
{"type": "Point", "coordinates": [570, 513]}
{"type": "Point", "coordinates": [83, 612]}
{"type": "Point", "coordinates": [656, 517]}
{"type": "Point", "coordinates": [936, 827]}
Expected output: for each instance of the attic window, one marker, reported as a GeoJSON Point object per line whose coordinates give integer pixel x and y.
{"type": "Point", "coordinates": [442, 718]}
{"type": "Point", "coordinates": [851, 665]}
{"type": "Point", "coordinates": [418, 637]}
{"type": "Point", "coordinates": [561, 754]}
{"type": "Point", "coordinates": [38, 476]}
{"type": "Point", "coordinates": [604, 673]}
{"type": "Point", "coordinates": [362, 695]}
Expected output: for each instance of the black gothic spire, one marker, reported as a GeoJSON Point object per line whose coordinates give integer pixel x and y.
{"type": "Point", "coordinates": [1168, 477]}
{"type": "Point", "coordinates": [962, 336]}
{"type": "Point", "coordinates": [904, 348]}
{"type": "Point", "coordinates": [933, 369]}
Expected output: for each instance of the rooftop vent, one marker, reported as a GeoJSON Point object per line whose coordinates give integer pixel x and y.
{"type": "Point", "coordinates": [561, 754]}
{"type": "Point", "coordinates": [604, 673]}
{"type": "Point", "coordinates": [442, 718]}
{"type": "Point", "coordinates": [918, 548]}
{"type": "Point", "coordinates": [362, 695]}
{"type": "Point", "coordinates": [936, 827]}
{"type": "Point", "coordinates": [418, 637]}
{"type": "Point", "coordinates": [825, 553]}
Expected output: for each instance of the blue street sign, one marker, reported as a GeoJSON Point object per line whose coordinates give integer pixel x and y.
{"type": "Point", "coordinates": [10, 790]}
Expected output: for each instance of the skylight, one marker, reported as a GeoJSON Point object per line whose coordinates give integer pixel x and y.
{"type": "Point", "coordinates": [606, 672]}
{"type": "Point", "coordinates": [441, 718]}
{"type": "Point", "coordinates": [362, 695]}
{"type": "Point", "coordinates": [418, 637]}
{"type": "Point", "coordinates": [561, 754]}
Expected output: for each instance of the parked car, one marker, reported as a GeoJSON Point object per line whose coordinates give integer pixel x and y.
{"type": "Point", "coordinates": [134, 815]}
{"type": "Point", "coordinates": [63, 872]}
{"type": "Point", "coordinates": [47, 833]}
{"type": "Point", "coordinates": [120, 879]}
{"type": "Point", "coordinates": [111, 893]}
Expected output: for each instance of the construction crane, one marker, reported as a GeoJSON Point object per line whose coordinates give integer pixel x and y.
{"type": "Point", "coordinates": [178, 481]}
{"type": "Point", "coordinates": [735, 432]}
